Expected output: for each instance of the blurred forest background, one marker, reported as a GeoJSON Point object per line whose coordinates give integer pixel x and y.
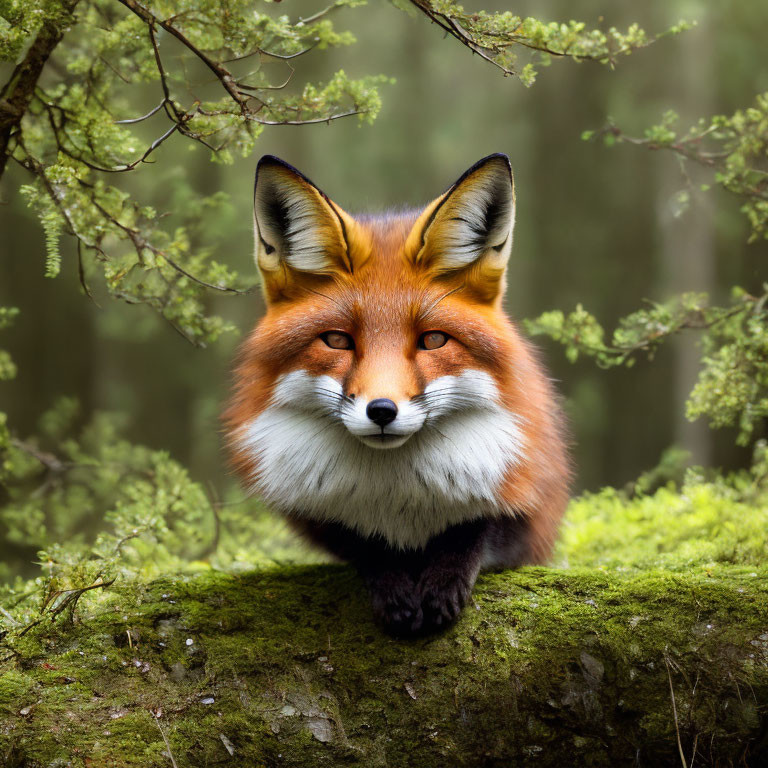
{"type": "Point", "coordinates": [606, 227]}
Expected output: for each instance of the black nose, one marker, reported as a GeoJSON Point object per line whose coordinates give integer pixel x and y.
{"type": "Point", "coordinates": [381, 411]}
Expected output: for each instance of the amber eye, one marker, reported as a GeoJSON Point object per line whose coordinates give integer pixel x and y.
{"type": "Point", "coordinates": [432, 340]}
{"type": "Point", "coordinates": [338, 340]}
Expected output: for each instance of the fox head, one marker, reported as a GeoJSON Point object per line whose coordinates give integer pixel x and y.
{"type": "Point", "coordinates": [375, 311]}
{"type": "Point", "coordinates": [385, 364]}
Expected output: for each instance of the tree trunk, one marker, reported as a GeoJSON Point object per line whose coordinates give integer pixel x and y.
{"type": "Point", "coordinates": [687, 237]}
{"type": "Point", "coordinates": [284, 668]}
{"type": "Point", "coordinates": [17, 93]}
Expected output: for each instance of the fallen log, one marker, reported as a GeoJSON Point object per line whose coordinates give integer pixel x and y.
{"type": "Point", "coordinates": [284, 667]}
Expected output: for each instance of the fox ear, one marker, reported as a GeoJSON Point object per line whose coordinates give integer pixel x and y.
{"type": "Point", "coordinates": [466, 234]}
{"type": "Point", "coordinates": [300, 234]}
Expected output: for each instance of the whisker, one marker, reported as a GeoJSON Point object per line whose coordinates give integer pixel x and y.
{"type": "Point", "coordinates": [339, 395]}
{"type": "Point", "coordinates": [443, 393]}
{"type": "Point", "coordinates": [343, 307]}
{"type": "Point", "coordinates": [423, 315]}
{"type": "Point", "coordinates": [437, 392]}
{"type": "Point", "coordinates": [331, 393]}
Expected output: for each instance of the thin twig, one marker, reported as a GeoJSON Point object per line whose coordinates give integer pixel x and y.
{"type": "Point", "coordinates": [70, 595]}
{"type": "Point", "coordinates": [260, 51]}
{"type": "Point", "coordinates": [81, 273]}
{"type": "Point", "coordinates": [314, 121]}
{"type": "Point", "coordinates": [268, 87]}
{"type": "Point", "coordinates": [221, 72]}
{"type": "Point", "coordinates": [140, 243]}
{"type": "Point", "coordinates": [155, 144]}
{"type": "Point", "coordinates": [143, 117]}
{"type": "Point", "coordinates": [488, 52]}
{"type": "Point", "coordinates": [103, 60]}
{"type": "Point", "coordinates": [455, 31]}
{"type": "Point", "coordinates": [178, 268]}
{"type": "Point", "coordinates": [160, 67]}
{"type": "Point", "coordinates": [674, 713]}
{"type": "Point", "coordinates": [319, 14]}
{"type": "Point", "coordinates": [48, 460]}
{"type": "Point", "coordinates": [167, 745]}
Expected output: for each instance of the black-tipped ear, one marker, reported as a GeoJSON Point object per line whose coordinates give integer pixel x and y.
{"type": "Point", "coordinates": [474, 216]}
{"type": "Point", "coordinates": [467, 231]}
{"type": "Point", "coordinates": [296, 225]}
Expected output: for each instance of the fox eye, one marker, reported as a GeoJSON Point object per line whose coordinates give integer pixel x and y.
{"type": "Point", "coordinates": [338, 340]}
{"type": "Point", "coordinates": [432, 340]}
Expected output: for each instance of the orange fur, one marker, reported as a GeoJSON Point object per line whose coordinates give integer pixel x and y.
{"type": "Point", "coordinates": [391, 295]}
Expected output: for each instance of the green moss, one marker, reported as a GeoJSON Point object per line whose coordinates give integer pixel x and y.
{"type": "Point", "coordinates": [16, 692]}
{"type": "Point", "coordinates": [704, 522]}
{"type": "Point", "coordinates": [287, 662]}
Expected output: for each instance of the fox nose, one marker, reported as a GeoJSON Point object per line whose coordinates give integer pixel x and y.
{"type": "Point", "coordinates": [381, 411]}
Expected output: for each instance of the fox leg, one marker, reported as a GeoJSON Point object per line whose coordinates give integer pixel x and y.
{"type": "Point", "coordinates": [390, 574]}
{"type": "Point", "coordinates": [451, 563]}
{"type": "Point", "coordinates": [395, 597]}
{"type": "Point", "coordinates": [421, 591]}
{"type": "Point", "coordinates": [454, 558]}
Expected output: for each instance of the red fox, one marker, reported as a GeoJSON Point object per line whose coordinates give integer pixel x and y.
{"type": "Point", "coordinates": [386, 405]}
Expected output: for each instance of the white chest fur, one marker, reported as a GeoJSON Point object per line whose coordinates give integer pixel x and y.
{"type": "Point", "coordinates": [306, 462]}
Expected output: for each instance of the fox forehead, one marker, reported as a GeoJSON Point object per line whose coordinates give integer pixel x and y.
{"type": "Point", "coordinates": [386, 232]}
{"type": "Point", "coordinates": [385, 320]}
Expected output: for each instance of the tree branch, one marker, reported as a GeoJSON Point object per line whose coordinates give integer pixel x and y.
{"type": "Point", "coordinates": [222, 73]}
{"type": "Point", "coordinates": [18, 92]}
{"type": "Point", "coordinates": [484, 34]}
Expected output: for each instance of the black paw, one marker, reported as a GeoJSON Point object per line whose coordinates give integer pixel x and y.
{"type": "Point", "coordinates": [443, 594]}
{"type": "Point", "coordinates": [396, 604]}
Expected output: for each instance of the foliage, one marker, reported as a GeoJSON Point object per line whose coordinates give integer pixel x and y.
{"type": "Point", "coordinates": [7, 366]}
{"type": "Point", "coordinates": [59, 486]}
{"type": "Point", "coordinates": [218, 79]}
{"type": "Point", "coordinates": [90, 506]}
{"type": "Point", "coordinates": [734, 147]}
{"type": "Point", "coordinates": [497, 37]}
{"type": "Point", "coordinates": [732, 388]}
{"type": "Point", "coordinates": [707, 520]}
{"type": "Point", "coordinates": [76, 135]}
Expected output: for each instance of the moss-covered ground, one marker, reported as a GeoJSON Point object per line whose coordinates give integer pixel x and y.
{"type": "Point", "coordinates": [609, 659]}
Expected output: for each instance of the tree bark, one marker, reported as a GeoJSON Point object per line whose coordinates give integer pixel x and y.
{"type": "Point", "coordinates": [17, 93]}
{"type": "Point", "coordinates": [284, 668]}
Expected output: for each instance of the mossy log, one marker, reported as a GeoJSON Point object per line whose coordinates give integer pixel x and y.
{"type": "Point", "coordinates": [284, 667]}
